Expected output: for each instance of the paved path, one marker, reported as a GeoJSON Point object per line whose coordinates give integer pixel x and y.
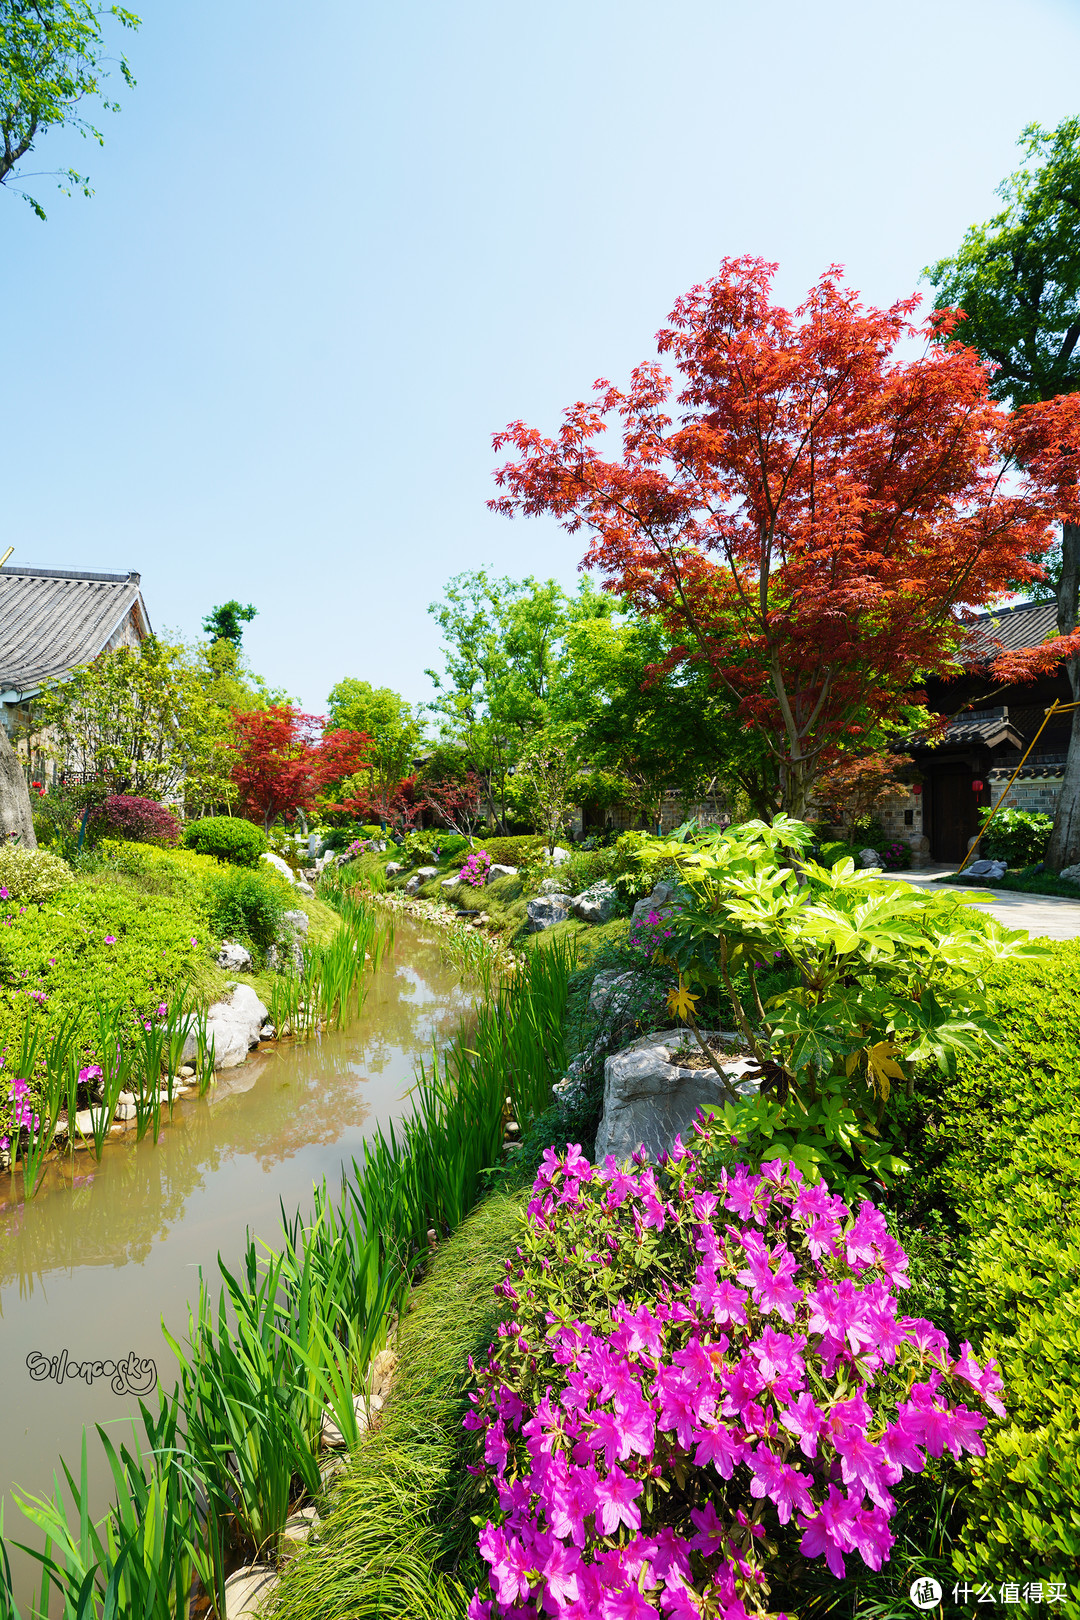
{"type": "Point", "coordinates": [1043, 915]}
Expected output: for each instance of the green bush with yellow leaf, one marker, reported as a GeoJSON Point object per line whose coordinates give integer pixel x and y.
{"type": "Point", "coordinates": [876, 977]}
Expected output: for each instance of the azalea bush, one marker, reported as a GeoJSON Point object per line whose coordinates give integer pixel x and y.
{"type": "Point", "coordinates": [476, 869]}
{"type": "Point", "coordinates": [875, 978]}
{"type": "Point", "coordinates": [703, 1375]}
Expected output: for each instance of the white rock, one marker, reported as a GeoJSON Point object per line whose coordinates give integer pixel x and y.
{"type": "Point", "coordinates": [551, 886]}
{"type": "Point", "coordinates": [546, 911]}
{"type": "Point", "coordinates": [648, 1100]}
{"type": "Point", "coordinates": [450, 883]}
{"type": "Point", "coordinates": [234, 957]}
{"type": "Point", "coordinates": [662, 901]}
{"type": "Point", "coordinates": [298, 1528]}
{"type": "Point", "coordinates": [559, 856]}
{"type": "Point", "coordinates": [303, 888]}
{"type": "Point", "coordinates": [1071, 874]}
{"type": "Point", "coordinates": [610, 991]}
{"type": "Point", "coordinates": [297, 922]}
{"type": "Point", "coordinates": [595, 904]}
{"type": "Point", "coordinates": [869, 857]}
{"type": "Point", "coordinates": [427, 872]}
{"type": "Point", "coordinates": [332, 1437]}
{"type": "Point", "coordinates": [247, 1590]}
{"type": "Point", "coordinates": [279, 865]}
{"type": "Point", "coordinates": [498, 871]}
{"type": "Point", "coordinates": [393, 868]}
{"type": "Point", "coordinates": [413, 885]}
{"type": "Point", "coordinates": [234, 1026]}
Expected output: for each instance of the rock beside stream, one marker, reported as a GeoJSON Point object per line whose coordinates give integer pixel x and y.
{"type": "Point", "coordinates": [649, 1098]}
{"type": "Point", "coordinates": [248, 1590]}
{"type": "Point", "coordinates": [234, 1026]}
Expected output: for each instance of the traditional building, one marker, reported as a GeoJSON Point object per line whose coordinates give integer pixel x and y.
{"type": "Point", "coordinates": [989, 731]}
{"type": "Point", "coordinates": [53, 620]}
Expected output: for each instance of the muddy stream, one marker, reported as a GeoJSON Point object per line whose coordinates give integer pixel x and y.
{"type": "Point", "coordinates": [90, 1270]}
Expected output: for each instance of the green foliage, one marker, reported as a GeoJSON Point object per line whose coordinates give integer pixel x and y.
{"type": "Point", "coordinates": [59, 951]}
{"type": "Point", "coordinates": [226, 622]}
{"type": "Point", "coordinates": [419, 847]}
{"type": "Point", "coordinates": [1019, 837]}
{"type": "Point", "coordinates": [246, 905]}
{"type": "Point", "coordinates": [878, 975]}
{"type": "Point", "coordinates": [1017, 278]}
{"type": "Point", "coordinates": [53, 56]}
{"type": "Point", "coordinates": [227, 838]}
{"type": "Point", "coordinates": [32, 874]}
{"type": "Point", "coordinates": [511, 851]}
{"type": "Point", "coordinates": [1000, 1147]}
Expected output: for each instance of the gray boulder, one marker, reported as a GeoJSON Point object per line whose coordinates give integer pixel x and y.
{"type": "Point", "coordinates": [559, 856]}
{"type": "Point", "coordinates": [987, 868]}
{"type": "Point", "coordinates": [450, 883]}
{"type": "Point", "coordinates": [1071, 874]}
{"type": "Point", "coordinates": [596, 903]}
{"type": "Point", "coordinates": [662, 901]}
{"type": "Point", "coordinates": [610, 991]}
{"type": "Point", "coordinates": [413, 885]}
{"type": "Point", "coordinates": [393, 868]}
{"type": "Point", "coordinates": [869, 857]}
{"type": "Point", "coordinates": [234, 957]}
{"type": "Point", "coordinates": [16, 819]}
{"type": "Point", "coordinates": [426, 873]}
{"type": "Point", "coordinates": [234, 1026]}
{"type": "Point", "coordinates": [546, 911]}
{"type": "Point", "coordinates": [281, 866]}
{"type": "Point", "coordinates": [498, 871]}
{"type": "Point", "coordinates": [649, 1099]}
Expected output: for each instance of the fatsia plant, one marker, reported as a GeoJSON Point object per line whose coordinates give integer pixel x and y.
{"type": "Point", "coordinates": [880, 977]}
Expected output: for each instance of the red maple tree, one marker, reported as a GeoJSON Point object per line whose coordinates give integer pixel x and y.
{"type": "Point", "coordinates": [816, 509]}
{"type": "Point", "coordinates": [282, 762]}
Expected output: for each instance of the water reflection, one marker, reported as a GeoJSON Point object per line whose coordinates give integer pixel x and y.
{"type": "Point", "coordinates": [107, 1250]}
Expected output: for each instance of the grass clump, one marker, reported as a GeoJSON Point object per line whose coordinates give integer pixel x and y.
{"type": "Point", "coordinates": [397, 1543]}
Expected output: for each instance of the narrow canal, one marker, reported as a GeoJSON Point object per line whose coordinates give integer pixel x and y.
{"type": "Point", "coordinates": [107, 1251]}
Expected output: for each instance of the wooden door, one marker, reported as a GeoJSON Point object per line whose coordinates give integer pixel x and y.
{"type": "Point", "coordinates": [954, 813]}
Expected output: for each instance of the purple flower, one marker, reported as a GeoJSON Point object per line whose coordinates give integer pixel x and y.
{"type": "Point", "coordinates": [110, 939]}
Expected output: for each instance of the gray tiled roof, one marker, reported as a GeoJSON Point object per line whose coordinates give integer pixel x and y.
{"type": "Point", "coordinates": [1011, 629]}
{"type": "Point", "coordinates": [53, 619]}
{"type": "Point", "coordinates": [966, 732]}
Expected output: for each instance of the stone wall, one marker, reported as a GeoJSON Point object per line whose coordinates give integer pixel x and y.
{"type": "Point", "coordinates": [1038, 793]}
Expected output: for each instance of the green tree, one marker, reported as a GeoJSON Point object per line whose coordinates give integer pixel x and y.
{"type": "Point", "coordinates": [395, 730]}
{"type": "Point", "coordinates": [550, 780]}
{"type": "Point", "coordinates": [651, 726]}
{"type": "Point", "coordinates": [53, 56]}
{"type": "Point", "coordinates": [139, 718]}
{"type": "Point", "coordinates": [1017, 281]}
{"type": "Point", "coordinates": [226, 622]}
{"type": "Point", "coordinates": [507, 662]}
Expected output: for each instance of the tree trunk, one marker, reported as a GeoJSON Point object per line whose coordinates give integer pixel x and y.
{"type": "Point", "coordinates": [15, 814]}
{"type": "Point", "coordinates": [1064, 847]}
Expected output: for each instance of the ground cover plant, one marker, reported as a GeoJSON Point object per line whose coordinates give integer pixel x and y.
{"type": "Point", "coordinates": [702, 1374]}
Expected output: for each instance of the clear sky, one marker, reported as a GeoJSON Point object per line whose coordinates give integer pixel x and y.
{"type": "Point", "coordinates": [334, 246]}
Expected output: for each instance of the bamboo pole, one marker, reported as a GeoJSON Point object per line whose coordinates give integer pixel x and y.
{"type": "Point", "coordinates": [1055, 708]}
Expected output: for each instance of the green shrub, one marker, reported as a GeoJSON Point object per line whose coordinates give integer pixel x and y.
{"type": "Point", "coordinates": [31, 874]}
{"type": "Point", "coordinates": [94, 941]}
{"type": "Point", "coordinates": [246, 905]}
{"type": "Point", "coordinates": [1000, 1154]}
{"type": "Point", "coordinates": [513, 851]}
{"type": "Point", "coordinates": [227, 838]}
{"type": "Point", "coordinates": [586, 867]}
{"type": "Point", "coordinates": [1018, 837]}
{"type": "Point", "coordinates": [158, 871]}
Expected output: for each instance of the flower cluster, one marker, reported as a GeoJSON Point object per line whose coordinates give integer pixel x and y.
{"type": "Point", "coordinates": [700, 1367]}
{"type": "Point", "coordinates": [896, 856]}
{"type": "Point", "coordinates": [21, 1114]}
{"type": "Point", "coordinates": [476, 869]}
{"type": "Point", "coordinates": [649, 936]}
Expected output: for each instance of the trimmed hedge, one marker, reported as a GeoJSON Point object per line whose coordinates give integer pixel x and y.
{"type": "Point", "coordinates": [1001, 1150]}
{"type": "Point", "coordinates": [227, 838]}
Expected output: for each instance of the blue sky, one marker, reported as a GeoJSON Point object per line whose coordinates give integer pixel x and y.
{"type": "Point", "coordinates": [332, 248]}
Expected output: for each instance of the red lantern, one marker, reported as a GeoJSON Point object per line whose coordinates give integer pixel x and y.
{"type": "Point", "coordinates": [976, 786]}
{"type": "Point", "coordinates": [916, 788]}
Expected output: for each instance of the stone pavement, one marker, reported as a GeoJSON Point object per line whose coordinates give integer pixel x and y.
{"type": "Point", "coordinates": [1045, 916]}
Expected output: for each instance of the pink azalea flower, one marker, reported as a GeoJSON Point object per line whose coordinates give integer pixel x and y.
{"type": "Point", "coordinates": [110, 939]}
{"type": "Point", "coordinates": [616, 1498]}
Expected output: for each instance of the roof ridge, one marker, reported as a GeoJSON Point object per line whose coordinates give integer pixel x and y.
{"type": "Point", "coordinates": [73, 573]}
